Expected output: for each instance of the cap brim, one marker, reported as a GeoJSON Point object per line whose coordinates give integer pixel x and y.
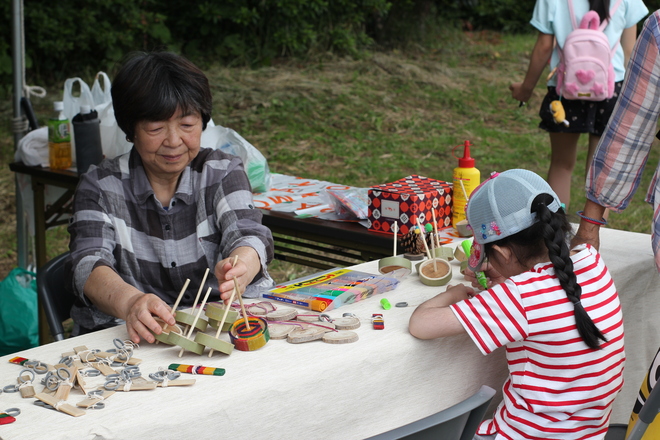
{"type": "Point", "coordinates": [476, 257]}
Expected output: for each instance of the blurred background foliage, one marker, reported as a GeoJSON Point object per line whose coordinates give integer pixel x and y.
{"type": "Point", "coordinates": [80, 37]}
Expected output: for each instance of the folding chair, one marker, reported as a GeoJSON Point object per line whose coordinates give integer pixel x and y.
{"type": "Point", "coordinates": [458, 422]}
{"type": "Point", "coordinates": [55, 299]}
{"type": "Point", "coordinates": [647, 412]}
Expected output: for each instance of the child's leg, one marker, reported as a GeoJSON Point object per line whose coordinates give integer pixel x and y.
{"type": "Point", "coordinates": [562, 161]}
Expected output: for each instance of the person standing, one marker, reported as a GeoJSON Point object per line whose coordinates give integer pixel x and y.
{"type": "Point", "coordinates": [552, 19]}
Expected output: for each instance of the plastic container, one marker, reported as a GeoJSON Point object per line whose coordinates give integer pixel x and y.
{"type": "Point", "coordinates": [466, 179]}
{"type": "Point", "coordinates": [87, 132]}
{"type": "Point", "coordinates": [59, 139]}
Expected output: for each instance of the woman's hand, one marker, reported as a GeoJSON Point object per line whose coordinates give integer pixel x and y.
{"type": "Point", "coordinates": [246, 268]}
{"type": "Point", "coordinates": [493, 277]}
{"type": "Point", "coordinates": [115, 297]}
{"type": "Point", "coordinates": [139, 317]}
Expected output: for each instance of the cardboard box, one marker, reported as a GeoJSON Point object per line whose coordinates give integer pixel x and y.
{"type": "Point", "coordinates": [408, 199]}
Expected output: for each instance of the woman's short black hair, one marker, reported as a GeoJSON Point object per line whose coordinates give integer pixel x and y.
{"type": "Point", "coordinates": [151, 86]}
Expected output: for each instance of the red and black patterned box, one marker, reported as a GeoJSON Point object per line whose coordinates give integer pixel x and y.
{"type": "Point", "coordinates": [408, 199]}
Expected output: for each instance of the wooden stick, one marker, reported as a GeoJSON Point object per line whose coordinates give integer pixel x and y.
{"type": "Point", "coordinates": [435, 229]}
{"type": "Point", "coordinates": [428, 252]}
{"type": "Point", "coordinates": [183, 289]}
{"type": "Point", "coordinates": [199, 312]}
{"type": "Point", "coordinates": [224, 318]}
{"type": "Point", "coordinates": [467, 198]}
{"type": "Point", "coordinates": [396, 231]}
{"type": "Point", "coordinates": [240, 300]}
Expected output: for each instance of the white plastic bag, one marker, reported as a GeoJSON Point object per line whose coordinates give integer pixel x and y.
{"type": "Point", "coordinates": [113, 139]}
{"type": "Point", "coordinates": [72, 103]}
{"type": "Point", "coordinates": [227, 140]}
{"type": "Point", "coordinates": [101, 93]}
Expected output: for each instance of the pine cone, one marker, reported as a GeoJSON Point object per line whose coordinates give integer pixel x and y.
{"type": "Point", "coordinates": [412, 243]}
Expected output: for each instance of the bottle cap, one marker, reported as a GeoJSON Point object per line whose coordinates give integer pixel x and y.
{"type": "Point", "coordinates": [85, 109]}
{"type": "Point", "coordinates": [466, 161]}
{"type": "Point", "coordinates": [58, 106]}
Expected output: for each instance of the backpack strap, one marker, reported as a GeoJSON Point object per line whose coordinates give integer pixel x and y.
{"type": "Point", "coordinates": [570, 10]}
{"type": "Point", "coordinates": [604, 24]}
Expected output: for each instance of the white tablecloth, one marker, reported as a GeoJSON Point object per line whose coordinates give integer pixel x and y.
{"type": "Point", "coordinates": [326, 391]}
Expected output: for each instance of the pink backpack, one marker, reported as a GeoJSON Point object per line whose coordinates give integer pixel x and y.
{"type": "Point", "coordinates": [585, 68]}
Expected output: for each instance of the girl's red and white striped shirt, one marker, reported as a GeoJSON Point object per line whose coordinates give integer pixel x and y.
{"type": "Point", "coordinates": [557, 386]}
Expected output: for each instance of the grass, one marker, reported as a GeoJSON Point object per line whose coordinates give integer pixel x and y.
{"type": "Point", "coordinates": [376, 119]}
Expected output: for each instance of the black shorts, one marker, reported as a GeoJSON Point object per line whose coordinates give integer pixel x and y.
{"type": "Point", "coordinates": [583, 116]}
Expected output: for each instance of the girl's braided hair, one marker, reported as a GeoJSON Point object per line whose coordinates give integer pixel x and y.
{"type": "Point", "coordinates": [550, 232]}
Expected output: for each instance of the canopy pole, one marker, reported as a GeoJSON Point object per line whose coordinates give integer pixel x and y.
{"type": "Point", "coordinates": [17, 63]}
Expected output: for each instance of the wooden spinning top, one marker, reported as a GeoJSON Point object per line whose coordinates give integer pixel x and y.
{"type": "Point", "coordinates": [250, 334]}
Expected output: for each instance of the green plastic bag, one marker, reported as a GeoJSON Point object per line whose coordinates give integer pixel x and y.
{"type": "Point", "coordinates": [19, 319]}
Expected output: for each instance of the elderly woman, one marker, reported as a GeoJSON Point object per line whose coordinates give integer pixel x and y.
{"type": "Point", "coordinates": [146, 221]}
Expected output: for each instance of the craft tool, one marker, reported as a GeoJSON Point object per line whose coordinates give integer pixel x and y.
{"type": "Point", "coordinates": [225, 347]}
{"type": "Point", "coordinates": [247, 337]}
{"type": "Point", "coordinates": [481, 277]}
{"type": "Point", "coordinates": [193, 346]}
{"type": "Point", "coordinates": [197, 369]}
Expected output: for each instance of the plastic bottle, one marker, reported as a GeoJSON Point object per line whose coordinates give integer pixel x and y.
{"type": "Point", "coordinates": [466, 179]}
{"type": "Point", "coordinates": [87, 133]}
{"type": "Point", "coordinates": [59, 139]}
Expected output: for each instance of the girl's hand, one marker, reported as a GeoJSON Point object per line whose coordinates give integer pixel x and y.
{"type": "Point", "coordinates": [493, 277]}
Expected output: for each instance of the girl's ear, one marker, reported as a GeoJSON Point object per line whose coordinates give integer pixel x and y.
{"type": "Point", "coordinates": [502, 254]}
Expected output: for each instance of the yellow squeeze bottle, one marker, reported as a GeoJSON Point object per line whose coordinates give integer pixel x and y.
{"type": "Point", "coordinates": [470, 177]}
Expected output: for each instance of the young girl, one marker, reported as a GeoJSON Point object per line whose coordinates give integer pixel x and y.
{"type": "Point", "coordinates": [555, 310]}
{"type": "Point", "coordinates": [552, 19]}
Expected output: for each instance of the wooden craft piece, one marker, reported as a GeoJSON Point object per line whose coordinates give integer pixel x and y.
{"type": "Point", "coordinates": [91, 401]}
{"type": "Point", "coordinates": [104, 368]}
{"type": "Point", "coordinates": [84, 353]}
{"type": "Point", "coordinates": [60, 405]}
{"type": "Point", "coordinates": [308, 317]}
{"type": "Point", "coordinates": [323, 325]}
{"type": "Point", "coordinates": [183, 289]}
{"type": "Point", "coordinates": [250, 334]}
{"type": "Point", "coordinates": [80, 380]}
{"type": "Point", "coordinates": [282, 315]}
{"type": "Point", "coordinates": [246, 321]}
{"type": "Point", "coordinates": [280, 331]}
{"type": "Point", "coordinates": [138, 384]}
{"type": "Point", "coordinates": [298, 336]}
{"type": "Point", "coordinates": [214, 343]}
{"type": "Point", "coordinates": [187, 319]}
{"type": "Point", "coordinates": [197, 369]}
{"type": "Point", "coordinates": [261, 308]}
{"type": "Point", "coordinates": [215, 323]}
{"type": "Point", "coordinates": [192, 327]}
{"type": "Point", "coordinates": [164, 337]}
{"type": "Point", "coordinates": [436, 272]}
{"type": "Point", "coordinates": [67, 383]}
{"type": "Point", "coordinates": [176, 383]}
{"type": "Point", "coordinates": [186, 344]}
{"type": "Point", "coordinates": [222, 321]}
{"type": "Point", "coordinates": [215, 312]}
{"type": "Point", "coordinates": [25, 385]}
{"type": "Point", "coordinates": [340, 337]}
{"type": "Point", "coordinates": [346, 323]}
